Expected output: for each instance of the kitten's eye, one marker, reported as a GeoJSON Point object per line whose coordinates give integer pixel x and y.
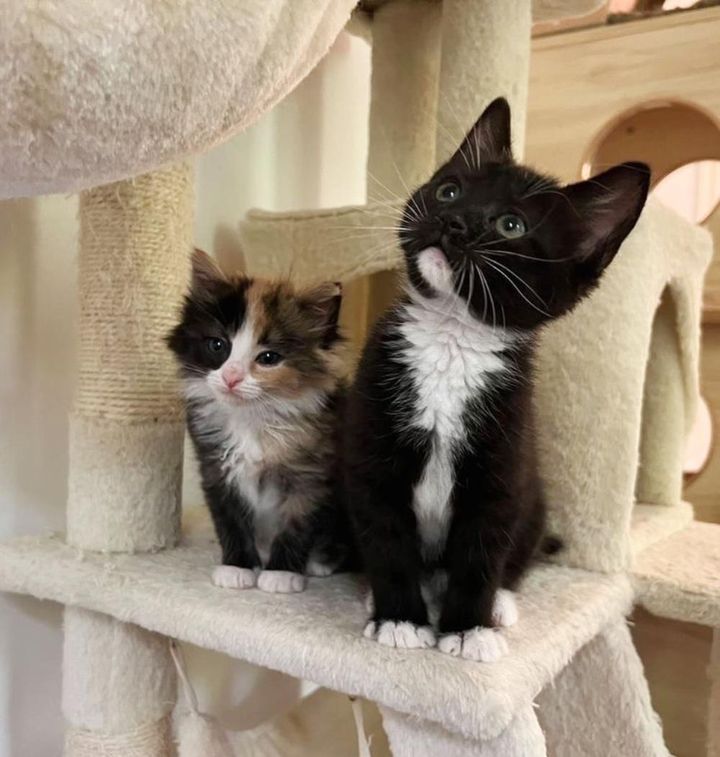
{"type": "Point", "coordinates": [448, 192]}
{"type": "Point", "coordinates": [510, 226]}
{"type": "Point", "coordinates": [268, 357]}
{"type": "Point", "coordinates": [215, 345]}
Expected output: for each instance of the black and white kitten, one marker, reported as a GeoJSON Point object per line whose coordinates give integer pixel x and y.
{"type": "Point", "coordinates": [262, 378]}
{"type": "Point", "coordinates": [440, 470]}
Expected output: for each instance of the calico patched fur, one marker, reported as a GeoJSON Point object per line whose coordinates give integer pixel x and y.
{"type": "Point", "coordinates": [440, 469]}
{"type": "Point", "coordinates": [261, 370]}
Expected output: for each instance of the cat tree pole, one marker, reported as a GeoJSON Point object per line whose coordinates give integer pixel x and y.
{"type": "Point", "coordinates": [126, 448]}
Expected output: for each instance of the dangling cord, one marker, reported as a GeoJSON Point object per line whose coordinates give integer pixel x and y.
{"type": "Point", "coordinates": [363, 743]}
{"type": "Point", "coordinates": [189, 691]}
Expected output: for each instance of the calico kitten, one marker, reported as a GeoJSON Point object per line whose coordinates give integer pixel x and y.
{"type": "Point", "coordinates": [440, 474]}
{"type": "Point", "coordinates": [261, 375]}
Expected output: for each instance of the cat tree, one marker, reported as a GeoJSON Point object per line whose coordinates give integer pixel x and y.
{"type": "Point", "coordinates": [129, 88]}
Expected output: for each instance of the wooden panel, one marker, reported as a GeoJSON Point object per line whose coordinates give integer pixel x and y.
{"type": "Point", "coordinates": [712, 282]}
{"type": "Point", "coordinates": [582, 80]}
{"type": "Point", "coordinates": [676, 656]}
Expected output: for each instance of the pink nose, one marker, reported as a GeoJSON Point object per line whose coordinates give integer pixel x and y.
{"type": "Point", "coordinates": [232, 376]}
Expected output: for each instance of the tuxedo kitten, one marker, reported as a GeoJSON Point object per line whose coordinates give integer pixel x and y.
{"type": "Point", "coordinates": [440, 470]}
{"type": "Point", "coordinates": [261, 369]}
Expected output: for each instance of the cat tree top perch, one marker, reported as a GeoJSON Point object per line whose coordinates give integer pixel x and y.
{"type": "Point", "coordinates": [105, 91]}
{"type": "Point", "coordinates": [96, 92]}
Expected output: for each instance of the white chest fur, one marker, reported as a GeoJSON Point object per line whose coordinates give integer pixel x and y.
{"type": "Point", "coordinates": [451, 358]}
{"type": "Point", "coordinates": [238, 432]}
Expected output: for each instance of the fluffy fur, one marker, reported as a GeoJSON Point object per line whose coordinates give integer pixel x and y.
{"type": "Point", "coordinates": [441, 473]}
{"type": "Point", "coordinates": [262, 381]}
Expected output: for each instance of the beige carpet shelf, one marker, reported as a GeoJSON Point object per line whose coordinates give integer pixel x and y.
{"type": "Point", "coordinates": [316, 635]}
{"type": "Point", "coordinates": [652, 523]}
{"type": "Point", "coordinates": [678, 577]}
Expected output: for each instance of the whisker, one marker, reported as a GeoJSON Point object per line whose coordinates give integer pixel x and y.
{"type": "Point", "coordinates": [483, 284]}
{"type": "Point", "coordinates": [492, 302]}
{"type": "Point", "coordinates": [520, 279]}
{"type": "Point", "coordinates": [495, 251]}
{"type": "Point", "coordinates": [470, 293]}
{"type": "Point", "coordinates": [392, 194]}
{"type": "Point", "coordinates": [516, 288]}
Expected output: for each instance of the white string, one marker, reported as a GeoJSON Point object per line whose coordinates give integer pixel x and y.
{"type": "Point", "coordinates": [363, 743]}
{"type": "Point", "coordinates": [188, 689]}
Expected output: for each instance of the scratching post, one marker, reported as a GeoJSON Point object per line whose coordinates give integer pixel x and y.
{"type": "Point", "coordinates": [126, 442]}
{"type": "Point", "coordinates": [485, 53]}
{"type": "Point", "coordinates": [405, 52]}
{"type": "Point", "coordinates": [127, 431]}
{"type": "Point", "coordinates": [435, 66]}
{"type": "Point", "coordinates": [406, 46]}
{"type": "Point", "coordinates": [118, 688]}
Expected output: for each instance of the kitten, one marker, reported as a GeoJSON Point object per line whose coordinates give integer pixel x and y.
{"type": "Point", "coordinates": [440, 472]}
{"type": "Point", "coordinates": [261, 374]}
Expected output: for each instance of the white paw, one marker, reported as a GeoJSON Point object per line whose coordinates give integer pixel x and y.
{"type": "Point", "coordinates": [280, 581]}
{"type": "Point", "coordinates": [400, 635]}
{"type": "Point", "coordinates": [504, 611]}
{"type": "Point", "coordinates": [318, 569]}
{"type": "Point", "coordinates": [480, 644]}
{"type": "Point", "coordinates": [483, 645]}
{"type": "Point", "coordinates": [451, 644]}
{"type": "Point", "coordinates": [230, 577]}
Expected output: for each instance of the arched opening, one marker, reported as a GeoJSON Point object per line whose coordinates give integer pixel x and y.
{"type": "Point", "coordinates": [693, 190]}
{"type": "Point", "coordinates": [665, 135]}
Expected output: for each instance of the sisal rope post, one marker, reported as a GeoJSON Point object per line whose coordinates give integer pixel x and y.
{"type": "Point", "coordinates": [126, 432]}
{"type": "Point", "coordinates": [126, 447]}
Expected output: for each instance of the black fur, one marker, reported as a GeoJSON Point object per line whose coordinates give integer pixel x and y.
{"type": "Point", "coordinates": [301, 470]}
{"type": "Point", "coordinates": [497, 513]}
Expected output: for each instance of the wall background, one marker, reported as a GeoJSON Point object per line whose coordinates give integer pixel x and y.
{"type": "Point", "coordinates": [309, 152]}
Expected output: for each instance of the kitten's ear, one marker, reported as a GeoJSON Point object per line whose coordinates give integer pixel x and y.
{"type": "Point", "coordinates": [609, 206]}
{"type": "Point", "coordinates": [489, 138]}
{"type": "Point", "coordinates": [323, 302]}
{"type": "Point", "coordinates": [205, 272]}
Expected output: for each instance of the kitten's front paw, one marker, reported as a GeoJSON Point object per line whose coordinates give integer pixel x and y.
{"type": "Point", "coordinates": [401, 635]}
{"type": "Point", "coordinates": [480, 644]}
{"type": "Point", "coordinates": [319, 569]}
{"type": "Point", "coordinates": [280, 581]}
{"type": "Point", "coordinates": [504, 611]}
{"type": "Point", "coordinates": [231, 577]}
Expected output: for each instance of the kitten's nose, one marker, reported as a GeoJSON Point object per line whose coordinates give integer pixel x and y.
{"type": "Point", "coordinates": [455, 225]}
{"type": "Point", "coordinates": [232, 376]}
